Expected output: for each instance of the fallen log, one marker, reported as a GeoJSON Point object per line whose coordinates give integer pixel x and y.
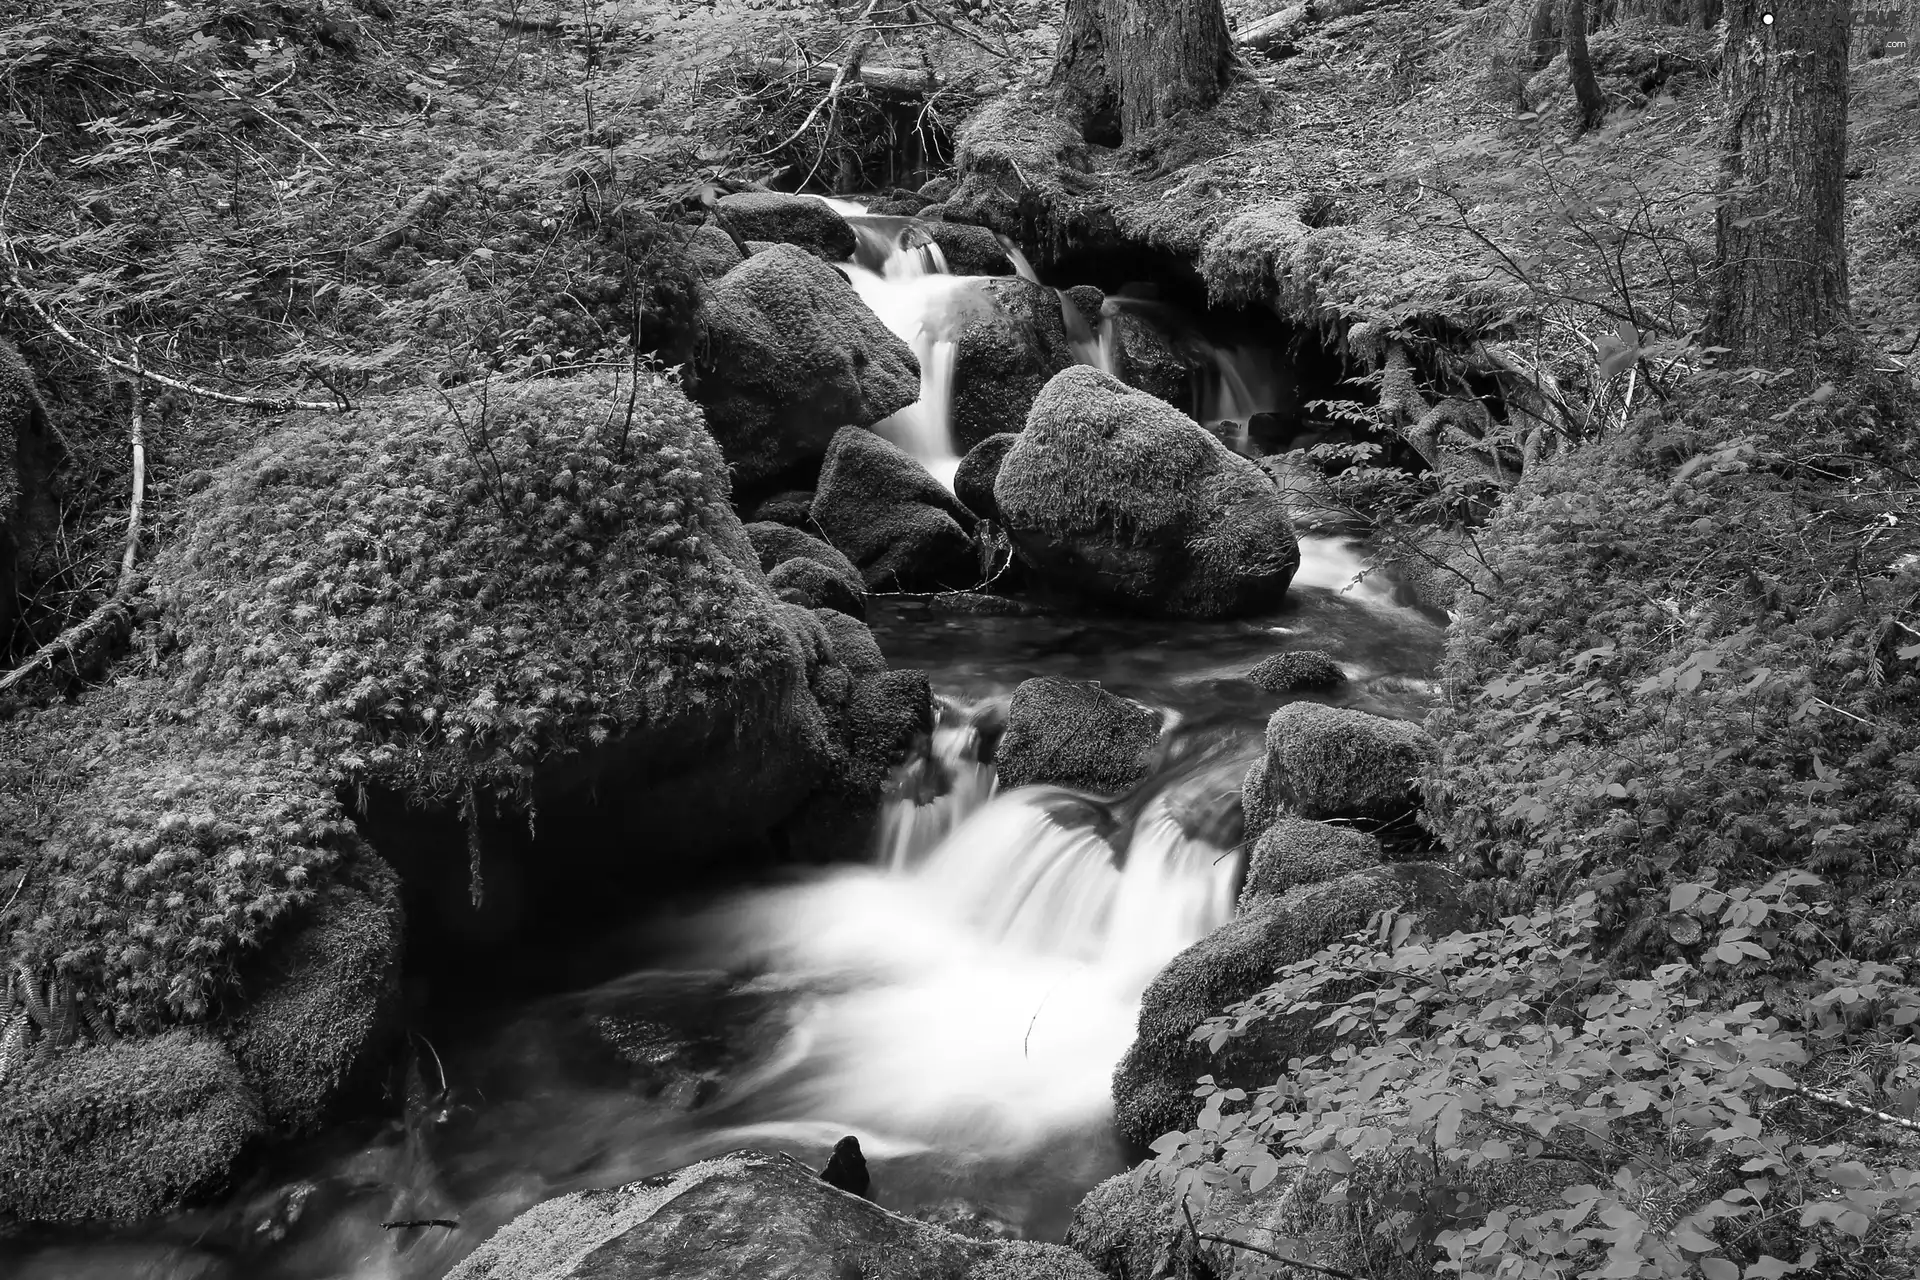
{"type": "Point", "coordinates": [1276, 31]}
{"type": "Point", "coordinates": [904, 82]}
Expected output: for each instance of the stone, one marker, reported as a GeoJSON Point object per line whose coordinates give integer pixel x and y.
{"type": "Point", "coordinates": [853, 644]}
{"type": "Point", "coordinates": [847, 1168]}
{"type": "Point", "coordinates": [812, 585]}
{"type": "Point", "coordinates": [970, 251]}
{"type": "Point", "coordinates": [1296, 670]}
{"type": "Point", "coordinates": [899, 526]}
{"type": "Point", "coordinates": [789, 506]}
{"type": "Point", "coordinates": [1005, 354]}
{"type": "Point", "coordinates": [326, 1010]}
{"type": "Point", "coordinates": [792, 355]}
{"type": "Point", "coordinates": [973, 480]}
{"type": "Point", "coordinates": [776, 544]}
{"type": "Point", "coordinates": [1089, 301]}
{"type": "Point", "coordinates": [1148, 361]}
{"type": "Point", "coordinates": [711, 252]}
{"type": "Point", "coordinates": [1073, 733]}
{"type": "Point", "coordinates": [1297, 851]}
{"type": "Point", "coordinates": [1116, 495]}
{"type": "Point", "coordinates": [1336, 762]}
{"type": "Point", "coordinates": [976, 602]}
{"type": "Point", "coordinates": [746, 1214]}
{"type": "Point", "coordinates": [123, 1131]}
{"type": "Point", "coordinates": [775, 216]}
{"type": "Point", "coordinates": [1153, 1085]}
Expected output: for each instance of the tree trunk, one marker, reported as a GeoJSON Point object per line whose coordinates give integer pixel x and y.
{"type": "Point", "coordinates": [1124, 67]}
{"type": "Point", "coordinates": [1593, 104]}
{"type": "Point", "coordinates": [1780, 231]}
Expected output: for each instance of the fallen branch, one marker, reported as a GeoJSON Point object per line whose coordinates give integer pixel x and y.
{"type": "Point", "coordinates": [528, 26]}
{"type": "Point", "coordinates": [403, 1223]}
{"type": "Point", "coordinates": [138, 431]}
{"type": "Point", "coordinates": [1264, 1252]}
{"type": "Point", "coordinates": [112, 620]}
{"type": "Point", "coordinates": [905, 82]}
{"type": "Point", "coordinates": [1276, 31]}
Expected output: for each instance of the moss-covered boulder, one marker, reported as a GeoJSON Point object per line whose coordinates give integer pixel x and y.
{"type": "Point", "coordinates": [789, 506]}
{"type": "Point", "coordinates": [776, 544]}
{"type": "Point", "coordinates": [1297, 851]}
{"type": "Point", "coordinates": [1296, 670]}
{"type": "Point", "coordinates": [791, 355]}
{"type": "Point", "coordinates": [780, 218]}
{"type": "Point", "coordinates": [1153, 1085]}
{"type": "Point", "coordinates": [1073, 733]}
{"type": "Point", "coordinates": [853, 644]}
{"type": "Point", "coordinates": [812, 585]}
{"type": "Point", "coordinates": [970, 251]}
{"type": "Point", "coordinates": [746, 1214]}
{"type": "Point", "coordinates": [1125, 1227]}
{"type": "Point", "coordinates": [711, 252]}
{"type": "Point", "coordinates": [322, 1003]}
{"type": "Point", "coordinates": [900, 526]}
{"type": "Point", "coordinates": [27, 457]}
{"type": "Point", "coordinates": [973, 480]}
{"type": "Point", "coordinates": [123, 1131]}
{"type": "Point", "coordinates": [1335, 762]}
{"type": "Point", "coordinates": [1117, 495]}
{"type": "Point", "coordinates": [1006, 352]}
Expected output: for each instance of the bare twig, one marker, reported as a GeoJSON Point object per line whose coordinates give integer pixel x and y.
{"type": "Point", "coordinates": [1264, 1252]}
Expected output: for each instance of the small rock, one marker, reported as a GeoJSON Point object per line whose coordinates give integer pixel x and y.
{"type": "Point", "coordinates": [1088, 300]}
{"type": "Point", "coordinates": [973, 481]}
{"type": "Point", "coordinates": [787, 219]}
{"type": "Point", "coordinates": [980, 603]}
{"type": "Point", "coordinates": [847, 1168]}
{"type": "Point", "coordinates": [812, 585]}
{"type": "Point", "coordinates": [899, 525]}
{"type": "Point", "coordinates": [1335, 762]}
{"type": "Point", "coordinates": [789, 507]}
{"type": "Point", "coordinates": [1300, 669]}
{"type": "Point", "coordinates": [970, 251]}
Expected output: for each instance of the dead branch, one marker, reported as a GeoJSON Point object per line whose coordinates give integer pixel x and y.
{"type": "Point", "coordinates": [1276, 31]}
{"type": "Point", "coordinates": [105, 626]}
{"type": "Point", "coordinates": [138, 431]}
{"type": "Point", "coordinates": [527, 26]}
{"type": "Point", "coordinates": [905, 82]}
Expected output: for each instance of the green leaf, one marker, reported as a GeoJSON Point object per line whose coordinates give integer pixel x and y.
{"type": "Point", "coordinates": [1719, 1269]}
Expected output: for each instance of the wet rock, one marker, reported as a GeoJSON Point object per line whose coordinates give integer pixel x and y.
{"type": "Point", "coordinates": [776, 544]}
{"type": "Point", "coordinates": [973, 481]}
{"type": "Point", "coordinates": [326, 1007]}
{"type": "Point", "coordinates": [1297, 851]}
{"type": "Point", "coordinates": [1268, 433]}
{"type": "Point", "coordinates": [1073, 733]}
{"type": "Point", "coordinates": [792, 354]}
{"type": "Point", "coordinates": [1335, 762]}
{"type": "Point", "coordinates": [965, 1218]}
{"type": "Point", "coordinates": [746, 1214]}
{"type": "Point", "coordinates": [711, 252]}
{"type": "Point", "coordinates": [932, 213]}
{"type": "Point", "coordinates": [884, 716]}
{"type": "Point", "coordinates": [1296, 670]}
{"type": "Point", "coordinates": [980, 603]}
{"type": "Point", "coordinates": [1153, 1086]}
{"type": "Point", "coordinates": [934, 190]}
{"type": "Point", "coordinates": [123, 1131]}
{"type": "Point", "coordinates": [789, 507]}
{"type": "Point", "coordinates": [847, 1168]}
{"type": "Point", "coordinates": [1088, 300]}
{"type": "Point", "coordinates": [775, 216]}
{"type": "Point", "coordinates": [899, 203]}
{"type": "Point", "coordinates": [899, 525]}
{"type": "Point", "coordinates": [1149, 362]}
{"type": "Point", "coordinates": [1117, 495]}
{"type": "Point", "coordinates": [1005, 355]}
{"type": "Point", "coordinates": [812, 585]}
{"type": "Point", "coordinates": [970, 251]}
{"type": "Point", "coordinates": [853, 644]}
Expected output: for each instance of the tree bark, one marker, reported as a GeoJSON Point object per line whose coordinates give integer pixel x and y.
{"type": "Point", "coordinates": [1780, 231]}
{"type": "Point", "coordinates": [1124, 67]}
{"type": "Point", "coordinates": [1593, 103]}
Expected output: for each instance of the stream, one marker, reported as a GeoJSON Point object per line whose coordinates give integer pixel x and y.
{"type": "Point", "coordinates": [956, 996]}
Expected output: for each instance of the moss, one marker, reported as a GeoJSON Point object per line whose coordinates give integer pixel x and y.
{"type": "Point", "coordinates": [1335, 762]}
{"type": "Point", "coordinates": [324, 1000]}
{"type": "Point", "coordinates": [1153, 1085]}
{"type": "Point", "coordinates": [1031, 1260]}
{"type": "Point", "coordinates": [146, 855]}
{"type": "Point", "coordinates": [1005, 352]}
{"type": "Point", "coordinates": [426, 596]}
{"type": "Point", "coordinates": [711, 252]}
{"type": "Point", "coordinates": [852, 643]}
{"type": "Point", "coordinates": [899, 525]}
{"type": "Point", "coordinates": [1073, 733]}
{"type": "Point", "coordinates": [973, 479]}
{"type": "Point", "coordinates": [123, 1131]}
{"type": "Point", "coordinates": [1123, 1227]}
{"type": "Point", "coordinates": [1299, 669]}
{"type": "Point", "coordinates": [774, 216]}
{"type": "Point", "coordinates": [776, 544]}
{"type": "Point", "coordinates": [1295, 851]}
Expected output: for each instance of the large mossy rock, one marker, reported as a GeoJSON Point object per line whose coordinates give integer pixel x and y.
{"type": "Point", "coordinates": [1073, 733]}
{"type": "Point", "coordinates": [803, 569]}
{"type": "Point", "coordinates": [123, 1131]}
{"type": "Point", "coordinates": [745, 1214]}
{"type": "Point", "coordinates": [792, 355]}
{"type": "Point", "coordinates": [1335, 762]}
{"type": "Point", "coordinates": [1117, 495]}
{"type": "Point", "coordinates": [901, 527]}
{"type": "Point", "coordinates": [325, 1002]}
{"type": "Point", "coordinates": [1006, 353]}
{"type": "Point", "coordinates": [1153, 1085]}
{"type": "Point", "coordinates": [970, 251]}
{"type": "Point", "coordinates": [973, 479]}
{"type": "Point", "coordinates": [780, 218]}
{"type": "Point", "coordinates": [1297, 851]}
